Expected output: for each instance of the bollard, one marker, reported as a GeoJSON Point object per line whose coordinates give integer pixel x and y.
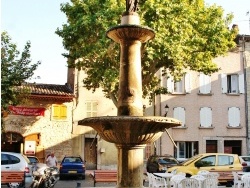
{"type": "Point", "coordinates": [78, 185]}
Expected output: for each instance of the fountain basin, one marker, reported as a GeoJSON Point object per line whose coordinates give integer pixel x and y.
{"type": "Point", "coordinates": [130, 130]}
{"type": "Point", "coordinates": [127, 32]}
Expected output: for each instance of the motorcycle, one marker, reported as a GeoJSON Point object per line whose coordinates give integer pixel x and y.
{"type": "Point", "coordinates": [44, 176]}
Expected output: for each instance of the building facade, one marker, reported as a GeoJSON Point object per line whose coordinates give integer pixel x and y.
{"type": "Point", "coordinates": [213, 109]}
{"type": "Point", "coordinates": [42, 124]}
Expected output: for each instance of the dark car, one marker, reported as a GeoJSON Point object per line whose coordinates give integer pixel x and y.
{"type": "Point", "coordinates": [160, 163]}
{"type": "Point", "coordinates": [72, 166]}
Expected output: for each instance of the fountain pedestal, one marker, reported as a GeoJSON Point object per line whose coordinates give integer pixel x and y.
{"type": "Point", "coordinates": [130, 131]}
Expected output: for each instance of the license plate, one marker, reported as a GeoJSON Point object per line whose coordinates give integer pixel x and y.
{"type": "Point", "coordinates": [72, 172]}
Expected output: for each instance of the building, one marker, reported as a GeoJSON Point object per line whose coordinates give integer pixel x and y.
{"type": "Point", "coordinates": [42, 124]}
{"type": "Point", "coordinates": [213, 109]}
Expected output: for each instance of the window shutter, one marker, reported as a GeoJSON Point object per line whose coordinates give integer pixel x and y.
{"type": "Point", "coordinates": [188, 83]}
{"type": "Point", "coordinates": [91, 108]}
{"type": "Point", "coordinates": [164, 81]}
{"type": "Point", "coordinates": [233, 117]}
{"type": "Point", "coordinates": [206, 117]}
{"type": "Point", "coordinates": [179, 113]}
{"type": "Point", "coordinates": [224, 83]}
{"type": "Point", "coordinates": [94, 109]}
{"type": "Point", "coordinates": [56, 111]}
{"type": "Point", "coordinates": [63, 112]}
{"type": "Point", "coordinates": [59, 112]}
{"type": "Point", "coordinates": [205, 84]}
{"type": "Point", "coordinates": [170, 84]}
{"type": "Point", "coordinates": [88, 109]}
{"type": "Point", "coordinates": [241, 83]}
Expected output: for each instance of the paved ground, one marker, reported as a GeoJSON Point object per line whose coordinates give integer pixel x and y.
{"type": "Point", "coordinates": [87, 183]}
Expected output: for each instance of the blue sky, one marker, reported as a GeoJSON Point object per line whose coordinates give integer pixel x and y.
{"type": "Point", "coordinates": [36, 21]}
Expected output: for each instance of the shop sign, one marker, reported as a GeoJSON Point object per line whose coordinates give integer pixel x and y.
{"type": "Point", "coordinates": [26, 111]}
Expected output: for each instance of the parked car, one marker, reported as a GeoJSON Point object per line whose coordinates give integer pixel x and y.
{"type": "Point", "coordinates": [11, 161]}
{"type": "Point", "coordinates": [72, 166]}
{"type": "Point", "coordinates": [245, 162]}
{"type": "Point", "coordinates": [210, 162]}
{"type": "Point", "coordinates": [33, 159]}
{"type": "Point", "coordinates": [160, 163]}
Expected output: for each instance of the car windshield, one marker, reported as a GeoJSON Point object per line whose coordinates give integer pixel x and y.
{"type": "Point", "coordinates": [33, 160]}
{"type": "Point", "coordinates": [167, 161]}
{"type": "Point", "coordinates": [187, 162]}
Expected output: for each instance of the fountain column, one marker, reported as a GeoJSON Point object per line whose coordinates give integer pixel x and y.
{"type": "Point", "coordinates": [130, 131]}
{"type": "Point", "coordinates": [130, 35]}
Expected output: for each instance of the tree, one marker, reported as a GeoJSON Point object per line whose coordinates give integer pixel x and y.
{"type": "Point", "coordinates": [189, 35]}
{"type": "Point", "coordinates": [15, 69]}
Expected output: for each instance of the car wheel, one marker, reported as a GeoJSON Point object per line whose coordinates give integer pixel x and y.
{"type": "Point", "coordinates": [15, 185]}
{"type": "Point", "coordinates": [83, 177]}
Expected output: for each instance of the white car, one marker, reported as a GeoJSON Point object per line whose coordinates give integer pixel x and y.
{"type": "Point", "coordinates": [11, 161]}
{"type": "Point", "coordinates": [245, 162]}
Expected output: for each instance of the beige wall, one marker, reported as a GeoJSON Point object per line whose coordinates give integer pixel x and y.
{"type": "Point", "coordinates": [107, 159]}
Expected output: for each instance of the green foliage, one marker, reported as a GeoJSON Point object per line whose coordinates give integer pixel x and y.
{"type": "Point", "coordinates": [189, 35]}
{"type": "Point", "coordinates": [15, 69]}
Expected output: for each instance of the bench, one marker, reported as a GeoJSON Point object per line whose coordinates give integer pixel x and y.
{"type": "Point", "coordinates": [104, 176]}
{"type": "Point", "coordinates": [226, 177]}
{"type": "Point", "coordinates": [12, 177]}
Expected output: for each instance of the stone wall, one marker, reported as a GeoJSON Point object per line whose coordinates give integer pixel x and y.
{"type": "Point", "coordinates": [54, 135]}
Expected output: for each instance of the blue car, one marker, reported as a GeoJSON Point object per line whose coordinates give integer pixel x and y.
{"type": "Point", "coordinates": [72, 166]}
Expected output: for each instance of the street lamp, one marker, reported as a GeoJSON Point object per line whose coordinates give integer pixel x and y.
{"type": "Point", "coordinates": [166, 110]}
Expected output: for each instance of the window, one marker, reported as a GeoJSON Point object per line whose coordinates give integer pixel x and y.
{"type": "Point", "coordinates": [233, 117]}
{"type": "Point", "coordinates": [186, 149]}
{"type": "Point", "coordinates": [179, 87]}
{"type": "Point", "coordinates": [205, 117]}
{"type": "Point", "coordinates": [205, 84]}
{"type": "Point", "coordinates": [232, 83]}
{"type": "Point", "coordinates": [91, 108]}
{"type": "Point", "coordinates": [13, 159]}
{"type": "Point", "coordinates": [179, 113]}
{"type": "Point", "coordinates": [4, 159]}
{"type": "Point", "coordinates": [206, 161]}
{"type": "Point", "coordinates": [225, 160]}
{"type": "Point", "coordinates": [59, 112]}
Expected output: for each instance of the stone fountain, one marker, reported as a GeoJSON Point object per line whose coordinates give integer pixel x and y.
{"type": "Point", "coordinates": [130, 131]}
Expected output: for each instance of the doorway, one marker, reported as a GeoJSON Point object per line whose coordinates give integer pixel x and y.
{"type": "Point", "coordinates": [90, 153]}
{"type": "Point", "coordinates": [12, 142]}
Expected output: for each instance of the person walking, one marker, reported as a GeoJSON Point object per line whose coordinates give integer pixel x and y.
{"type": "Point", "coordinates": [51, 161]}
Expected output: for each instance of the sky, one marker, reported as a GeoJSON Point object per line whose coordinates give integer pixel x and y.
{"type": "Point", "coordinates": [37, 20]}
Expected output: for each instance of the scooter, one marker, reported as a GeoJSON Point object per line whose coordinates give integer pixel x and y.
{"type": "Point", "coordinates": [44, 176]}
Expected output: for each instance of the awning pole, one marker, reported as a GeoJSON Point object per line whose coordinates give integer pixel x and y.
{"type": "Point", "coordinates": [171, 138]}
{"type": "Point", "coordinates": [93, 141]}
